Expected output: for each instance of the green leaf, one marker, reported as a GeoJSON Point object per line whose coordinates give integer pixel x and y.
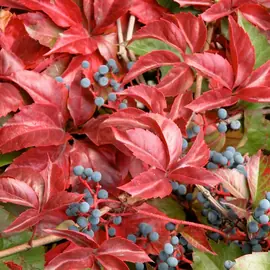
{"type": "Point", "coordinates": [257, 260]}
{"type": "Point", "coordinates": [8, 158]}
{"type": "Point", "coordinates": [5, 217]}
{"type": "Point", "coordinates": [3, 266]}
{"type": "Point", "coordinates": [146, 45]}
{"type": "Point", "coordinates": [224, 252]}
{"type": "Point", "coordinates": [258, 40]}
{"type": "Point", "coordinates": [175, 8]}
{"type": "Point", "coordinates": [169, 206]}
{"type": "Point", "coordinates": [225, 28]}
{"type": "Point", "coordinates": [256, 134]}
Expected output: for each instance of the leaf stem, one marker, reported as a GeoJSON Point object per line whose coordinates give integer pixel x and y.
{"type": "Point", "coordinates": [122, 49]}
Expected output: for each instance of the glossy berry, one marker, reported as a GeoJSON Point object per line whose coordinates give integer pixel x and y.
{"type": "Point", "coordinates": [163, 255]}
{"type": "Point", "coordinates": [122, 105]}
{"type": "Point", "coordinates": [96, 213]}
{"type": "Point", "coordinates": [174, 240]}
{"type": "Point", "coordinates": [89, 232]}
{"type": "Point", "coordinates": [96, 176]}
{"type": "Point", "coordinates": [163, 266]}
{"type": "Point", "coordinates": [99, 101]}
{"type": "Point", "coordinates": [111, 63]}
{"type": "Point", "coordinates": [168, 248]}
{"type": "Point", "coordinates": [78, 170]}
{"type": "Point", "coordinates": [196, 129]}
{"type": "Point", "coordinates": [139, 266]}
{"type": "Point", "coordinates": [231, 149]}
{"type": "Point", "coordinates": [132, 238]}
{"type": "Point", "coordinates": [117, 220]}
{"type": "Point", "coordinates": [59, 79]}
{"type": "Point", "coordinates": [84, 207]}
{"type": "Point", "coordinates": [217, 157]}
{"type": "Point", "coordinates": [240, 168]}
{"type": "Point", "coordinates": [175, 185]}
{"type": "Point", "coordinates": [85, 83]}
{"type": "Point", "coordinates": [93, 220]}
{"type": "Point", "coordinates": [189, 197]}
{"type": "Point", "coordinates": [229, 264]}
{"type": "Point", "coordinates": [112, 97]}
{"type": "Point", "coordinates": [181, 190]}
{"type": "Point", "coordinates": [88, 171]}
{"type": "Point", "coordinates": [223, 161]}
{"type": "Point", "coordinates": [90, 201]}
{"type": "Point", "coordinates": [235, 124]}
{"type": "Point", "coordinates": [68, 212]}
{"type": "Point", "coordinates": [201, 198]}
{"type": "Point", "coordinates": [103, 69]}
{"type": "Point", "coordinates": [129, 65]}
{"type": "Point", "coordinates": [153, 236]}
{"type": "Point", "coordinates": [82, 221]}
{"type": "Point", "coordinates": [145, 228]}
{"type": "Point", "coordinates": [253, 227]}
{"type": "Point", "coordinates": [73, 228]}
{"type": "Point", "coordinates": [212, 217]}
{"type": "Point", "coordinates": [85, 64]}
{"type": "Point", "coordinates": [222, 114]}
{"type": "Point", "coordinates": [190, 133]}
{"type": "Point", "coordinates": [238, 159]}
{"type": "Point", "coordinates": [183, 241]}
{"type": "Point", "coordinates": [184, 144]}
{"type": "Point", "coordinates": [113, 82]}
{"type": "Point", "coordinates": [172, 261]}
{"type": "Point", "coordinates": [257, 248]}
{"type": "Point", "coordinates": [246, 248]}
{"type": "Point", "coordinates": [264, 204]}
{"type": "Point", "coordinates": [97, 75]}
{"type": "Point", "coordinates": [103, 81]}
{"type": "Point", "coordinates": [102, 194]}
{"type": "Point", "coordinates": [222, 127]}
{"type": "Point", "coordinates": [111, 232]}
{"type": "Point", "coordinates": [268, 196]}
{"type": "Point", "coordinates": [228, 154]}
{"type": "Point", "coordinates": [263, 219]}
{"type": "Point", "coordinates": [170, 226]}
{"type": "Point", "coordinates": [211, 166]}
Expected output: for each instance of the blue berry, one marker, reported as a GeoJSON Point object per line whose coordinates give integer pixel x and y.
{"type": "Point", "coordinates": [113, 82]}
{"type": "Point", "coordinates": [222, 127]}
{"type": "Point", "coordinates": [129, 65]}
{"type": "Point", "coordinates": [112, 97]}
{"type": "Point", "coordinates": [174, 240]}
{"type": "Point", "coordinates": [95, 228]}
{"type": "Point", "coordinates": [172, 261]}
{"type": "Point", "coordinates": [183, 241]}
{"type": "Point", "coordinates": [84, 207]}
{"type": "Point", "coordinates": [117, 220]}
{"type": "Point", "coordinates": [145, 228]}
{"type": "Point", "coordinates": [97, 76]}
{"type": "Point", "coordinates": [132, 238]}
{"type": "Point", "coordinates": [87, 193]}
{"type": "Point", "coordinates": [201, 198]}
{"type": "Point", "coordinates": [182, 190]}
{"type": "Point", "coordinates": [257, 248]}
{"type": "Point", "coordinates": [90, 201]}
{"type": "Point", "coordinates": [223, 161]}
{"type": "Point", "coordinates": [59, 79]}
{"type": "Point", "coordinates": [190, 133]}
{"type": "Point", "coordinates": [268, 195]}
{"type": "Point", "coordinates": [217, 157]}
{"type": "Point", "coordinates": [74, 211]}
{"type": "Point", "coordinates": [205, 212]}
{"type": "Point", "coordinates": [85, 64]}
{"type": "Point", "coordinates": [103, 194]}
{"type": "Point", "coordinates": [111, 232]}
{"type": "Point", "coordinates": [263, 219]}
{"type": "Point", "coordinates": [111, 63]}
{"type": "Point", "coordinates": [214, 236]}
{"type": "Point", "coordinates": [175, 185]}
{"type": "Point", "coordinates": [254, 241]}
{"type": "Point", "coordinates": [89, 178]}
{"type": "Point", "coordinates": [68, 212]}
{"type": "Point", "coordinates": [241, 169]}
{"type": "Point", "coordinates": [168, 248]}
{"type": "Point", "coordinates": [96, 213]}
{"type": "Point", "coordinates": [139, 266]}
{"type": "Point", "coordinates": [189, 197]}
{"type": "Point", "coordinates": [184, 144]}
{"type": "Point", "coordinates": [89, 232]}
{"type": "Point", "coordinates": [99, 101]}
{"type": "Point", "coordinates": [82, 221]}
{"type": "Point", "coordinates": [222, 114]}
{"type": "Point", "coordinates": [264, 204]}
{"type": "Point", "coordinates": [228, 154]}
{"type": "Point", "coordinates": [163, 266]}
{"type": "Point", "coordinates": [261, 234]}
{"type": "Point", "coordinates": [78, 170]}
{"type": "Point", "coordinates": [163, 255]}
{"type": "Point", "coordinates": [235, 124]}
{"type": "Point", "coordinates": [229, 264]}
{"type": "Point", "coordinates": [212, 217]}
{"type": "Point", "coordinates": [85, 83]}
{"type": "Point", "coordinates": [103, 69]}
{"type": "Point", "coordinates": [73, 228]}
{"type": "Point", "coordinates": [170, 226]}
{"type": "Point", "coordinates": [153, 236]}
{"type": "Point", "coordinates": [231, 149]}
{"type": "Point", "coordinates": [88, 171]}
{"type": "Point", "coordinates": [122, 105]}
{"type": "Point", "coordinates": [103, 81]}
{"type": "Point", "coordinates": [117, 88]}
{"type": "Point", "coordinates": [211, 166]}
{"type": "Point", "coordinates": [189, 247]}
{"type": "Point", "coordinates": [196, 129]}
{"type": "Point", "coordinates": [246, 248]}
{"type": "Point", "coordinates": [96, 176]}
{"type": "Point", "coordinates": [253, 227]}
{"type": "Point", "coordinates": [238, 159]}
{"type": "Point", "coordinates": [93, 220]}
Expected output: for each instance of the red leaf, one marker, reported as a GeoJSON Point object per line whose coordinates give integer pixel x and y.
{"type": "Point", "coordinates": [213, 99]}
{"type": "Point", "coordinates": [34, 84]}
{"type": "Point", "coordinates": [80, 102]}
{"type": "Point", "coordinates": [12, 4]}
{"type": "Point", "coordinates": [24, 221]}
{"type": "Point", "coordinates": [257, 15]}
{"type": "Point", "coordinates": [79, 238]}
{"type": "Point", "coordinates": [254, 94]}
{"type": "Point", "coordinates": [75, 40]}
{"type": "Point", "coordinates": [151, 97]}
{"type": "Point", "coordinates": [40, 28]}
{"type": "Point", "coordinates": [149, 184]}
{"type": "Point", "coordinates": [107, 45]}
{"type": "Point", "coordinates": [213, 66]}
{"type": "Point", "coordinates": [147, 11]}
{"type": "Point", "coordinates": [194, 175]}
{"type": "Point", "coordinates": [150, 61]}
{"type": "Point", "coordinates": [11, 99]}
{"type": "Point", "coordinates": [55, 251]}
{"type": "Point", "coordinates": [18, 192]}
{"type": "Point", "coordinates": [72, 259]}
{"type": "Point", "coordinates": [193, 29]}
{"type": "Point", "coordinates": [197, 238]}
{"type": "Point", "coordinates": [145, 146]}
{"type": "Point", "coordinates": [60, 199]}
{"type": "Point", "coordinates": [63, 13]}
{"type": "Point", "coordinates": [123, 249]}
{"type": "Point", "coordinates": [242, 51]}
{"type": "Point", "coordinates": [34, 125]}
{"type": "Point", "coordinates": [177, 81]}
{"type": "Point", "coordinates": [194, 2]}
{"type": "Point", "coordinates": [164, 31]}
{"type": "Point", "coordinates": [239, 207]}
{"type": "Point", "coordinates": [9, 63]}
{"type": "Point", "coordinates": [110, 262]}
{"type": "Point", "coordinates": [234, 182]}
{"type": "Point", "coordinates": [108, 11]}
{"type": "Point", "coordinates": [198, 155]}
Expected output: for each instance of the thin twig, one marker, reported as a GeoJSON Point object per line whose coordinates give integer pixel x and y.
{"type": "Point", "coordinates": [122, 49]}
